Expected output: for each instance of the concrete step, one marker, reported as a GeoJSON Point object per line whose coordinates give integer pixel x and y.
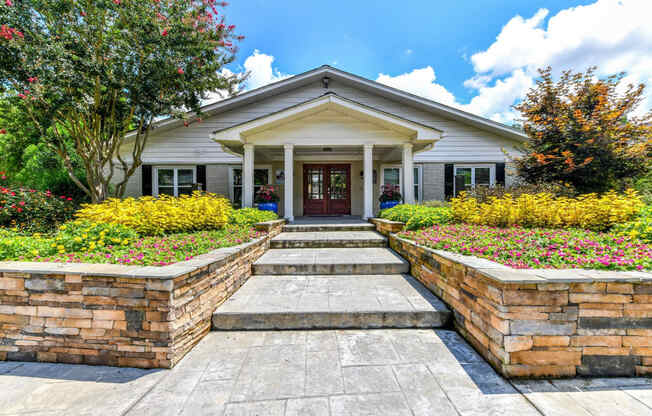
{"type": "Point", "coordinates": [344, 301]}
{"type": "Point", "coordinates": [329, 239]}
{"type": "Point", "coordinates": [327, 226]}
{"type": "Point", "coordinates": [330, 261]}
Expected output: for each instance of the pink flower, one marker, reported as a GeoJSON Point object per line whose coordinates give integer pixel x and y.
{"type": "Point", "coordinates": [8, 3]}
{"type": "Point", "coordinates": [180, 71]}
{"type": "Point", "coordinates": [164, 33]}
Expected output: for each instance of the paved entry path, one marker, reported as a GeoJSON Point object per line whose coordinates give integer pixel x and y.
{"type": "Point", "coordinates": [336, 372]}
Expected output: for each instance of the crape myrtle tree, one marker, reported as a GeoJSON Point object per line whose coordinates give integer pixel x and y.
{"type": "Point", "coordinates": [582, 132]}
{"type": "Point", "coordinates": [92, 71]}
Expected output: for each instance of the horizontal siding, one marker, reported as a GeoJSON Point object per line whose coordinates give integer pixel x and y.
{"type": "Point", "coordinates": [192, 145]}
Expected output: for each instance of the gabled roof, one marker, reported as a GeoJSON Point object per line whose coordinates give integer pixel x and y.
{"type": "Point", "coordinates": [360, 83]}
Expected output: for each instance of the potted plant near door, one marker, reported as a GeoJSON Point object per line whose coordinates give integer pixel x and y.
{"type": "Point", "coordinates": [267, 199]}
{"type": "Point", "coordinates": [390, 196]}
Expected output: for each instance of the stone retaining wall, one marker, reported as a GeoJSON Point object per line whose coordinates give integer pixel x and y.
{"type": "Point", "coordinates": [118, 315]}
{"type": "Point", "coordinates": [387, 227]}
{"type": "Point", "coordinates": [536, 323]}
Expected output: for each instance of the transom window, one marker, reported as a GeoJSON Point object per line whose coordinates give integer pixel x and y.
{"type": "Point", "coordinates": [470, 176]}
{"type": "Point", "coordinates": [393, 175]}
{"type": "Point", "coordinates": [174, 180]}
{"type": "Point", "coordinates": [262, 176]}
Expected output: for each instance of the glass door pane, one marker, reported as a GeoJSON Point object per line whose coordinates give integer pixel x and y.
{"type": "Point", "coordinates": [392, 176]}
{"type": "Point", "coordinates": [467, 174]}
{"type": "Point", "coordinates": [185, 181]}
{"type": "Point", "coordinates": [165, 178]}
{"type": "Point", "coordinates": [315, 178]}
{"type": "Point", "coordinates": [338, 185]}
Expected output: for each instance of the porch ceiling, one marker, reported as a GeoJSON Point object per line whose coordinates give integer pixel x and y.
{"type": "Point", "coordinates": [328, 121]}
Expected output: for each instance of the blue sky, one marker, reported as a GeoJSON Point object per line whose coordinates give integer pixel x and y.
{"type": "Point", "coordinates": [478, 55]}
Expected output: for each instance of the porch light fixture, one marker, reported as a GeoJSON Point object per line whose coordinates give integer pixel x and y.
{"type": "Point", "coordinates": [324, 82]}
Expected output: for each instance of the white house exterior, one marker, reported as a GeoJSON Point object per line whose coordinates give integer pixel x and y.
{"type": "Point", "coordinates": [327, 140]}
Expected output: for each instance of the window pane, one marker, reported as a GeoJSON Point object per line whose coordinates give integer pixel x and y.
{"type": "Point", "coordinates": [261, 177]}
{"type": "Point", "coordinates": [466, 173]}
{"type": "Point", "coordinates": [237, 177]}
{"type": "Point", "coordinates": [237, 197]}
{"type": "Point", "coordinates": [482, 176]}
{"type": "Point", "coordinates": [166, 190]}
{"type": "Point", "coordinates": [416, 176]}
{"type": "Point", "coordinates": [165, 177]}
{"type": "Point", "coordinates": [416, 192]}
{"type": "Point", "coordinates": [185, 190]}
{"type": "Point", "coordinates": [392, 176]}
{"type": "Point", "coordinates": [185, 177]}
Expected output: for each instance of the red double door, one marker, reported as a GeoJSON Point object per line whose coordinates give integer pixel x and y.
{"type": "Point", "coordinates": [326, 189]}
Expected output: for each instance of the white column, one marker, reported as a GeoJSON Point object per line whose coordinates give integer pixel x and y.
{"type": "Point", "coordinates": [408, 174]}
{"type": "Point", "coordinates": [368, 169]}
{"type": "Point", "coordinates": [289, 176]}
{"type": "Point", "coordinates": [248, 176]}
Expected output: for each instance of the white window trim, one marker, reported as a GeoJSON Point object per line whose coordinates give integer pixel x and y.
{"type": "Point", "coordinates": [492, 172]}
{"type": "Point", "coordinates": [419, 197]}
{"type": "Point", "coordinates": [231, 177]}
{"type": "Point", "coordinates": [175, 168]}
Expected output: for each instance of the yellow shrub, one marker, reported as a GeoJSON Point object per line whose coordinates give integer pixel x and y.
{"type": "Point", "coordinates": [165, 214]}
{"type": "Point", "coordinates": [587, 211]}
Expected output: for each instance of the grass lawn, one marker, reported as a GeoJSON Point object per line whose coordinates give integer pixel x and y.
{"type": "Point", "coordinates": [538, 248]}
{"type": "Point", "coordinates": [145, 251]}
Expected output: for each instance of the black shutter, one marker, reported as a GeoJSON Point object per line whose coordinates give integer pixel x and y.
{"type": "Point", "coordinates": [449, 175]}
{"type": "Point", "coordinates": [500, 174]}
{"type": "Point", "coordinates": [146, 171]}
{"type": "Point", "coordinates": [201, 176]}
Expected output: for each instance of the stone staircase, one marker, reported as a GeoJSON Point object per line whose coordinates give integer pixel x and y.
{"type": "Point", "coordinates": [330, 275]}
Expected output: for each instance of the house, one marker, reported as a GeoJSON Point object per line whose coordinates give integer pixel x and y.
{"type": "Point", "coordinates": [327, 140]}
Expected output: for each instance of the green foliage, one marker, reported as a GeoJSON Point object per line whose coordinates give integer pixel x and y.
{"type": "Point", "coordinates": [32, 211]}
{"type": "Point", "coordinates": [418, 216]}
{"type": "Point", "coordinates": [644, 187]}
{"type": "Point", "coordinates": [86, 236]}
{"type": "Point", "coordinates": [427, 217]}
{"type": "Point", "coordinates": [88, 72]}
{"type": "Point", "coordinates": [638, 229]}
{"type": "Point", "coordinates": [485, 193]}
{"type": "Point", "coordinates": [582, 132]}
{"type": "Point", "coordinates": [31, 163]}
{"type": "Point", "coordinates": [250, 216]}
{"type": "Point", "coordinates": [13, 245]}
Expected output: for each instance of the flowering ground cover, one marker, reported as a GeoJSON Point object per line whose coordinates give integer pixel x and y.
{"type": "Point", "coordinates": [145, 251]}
{"type": "Point", "coordinates": [537, 247]}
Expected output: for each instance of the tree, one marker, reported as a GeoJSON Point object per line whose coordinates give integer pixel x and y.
{"type": "Point", "coordinates": [582, 132]}
{"type": "Point", "coordinates": [28, 161]}
{"type": "Point", "coordinates": [91, 71]}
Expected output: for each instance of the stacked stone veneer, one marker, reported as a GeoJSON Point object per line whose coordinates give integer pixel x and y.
{"type": "Point", "coordinates": [535, 323]}
{"type": "Point", "coordinates": [118, 315]}
{"type": "Point", "coordinates": [387, 227]}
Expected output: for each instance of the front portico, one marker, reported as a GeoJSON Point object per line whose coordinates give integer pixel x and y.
{"type": "Point", "coordinates": [330, 151]}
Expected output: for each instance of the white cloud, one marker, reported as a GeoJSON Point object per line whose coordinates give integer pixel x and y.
{"type": "Point", "coordinates": [409, 51]}
{"type": "Point", "coordinates": [261, 71]}
{"type": "Point", "coordinates": [420, 82]}
{"type": "Point", "coordinates": [614, 35]}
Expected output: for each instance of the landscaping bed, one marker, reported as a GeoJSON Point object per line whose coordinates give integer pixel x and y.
{"type": "Point", "coordinates": [536, 248]}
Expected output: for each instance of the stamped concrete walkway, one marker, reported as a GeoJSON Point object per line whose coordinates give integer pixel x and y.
{"type": "Point", "coordinates": [338, 372]}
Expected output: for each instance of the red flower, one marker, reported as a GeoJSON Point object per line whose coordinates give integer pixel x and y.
{"type": "Point", "coordinates": [32, 79]}
{"type": "Point", "coordinates": [164, 33]}
{"type": "Point", "coordinates": [83, 14]}
{"type": "Point", "coordinates": [8, 3]}
{"type": "Point", "coordinates": [3, 131]}
{"type": "Point", "coordinates": [19, 209]}
{"type": "Point", "coordinates": [21, 203]}
{"type": "Point", "coordinates": [180, 71]}
{"type": "Point", "coordinates": [69, 199]}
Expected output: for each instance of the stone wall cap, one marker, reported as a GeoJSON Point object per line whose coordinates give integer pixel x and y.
{"type": "Point", "coordinates": [118, 270]}
{"type": "Point", "coordinates": [384, 221]}
{"type": "Point", "coordinates": [506, 274]}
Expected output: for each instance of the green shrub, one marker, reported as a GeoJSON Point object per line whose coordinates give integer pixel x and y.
{"type": "Point", "coordinates": [29, 210]}
{"type": "Point", "coordinates": [249, 216]}
{"type": "Point", "coordinates": [427, 217]}
{"type": "Point", "coordinates": [418, 216]}
{"type": "Point", "coordinates": [401, 212]}
{"type": "Point", "coordinates": [639, 228]}
{"type": "Point", "coordinates": [13, 245]}
{"type": "Point", "coordinates": [86, 236]}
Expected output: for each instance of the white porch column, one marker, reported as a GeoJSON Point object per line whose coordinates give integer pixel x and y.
{"type": "Point", "coordinates": [368, 169]}
{"type": "Point", "coordinates": [408, 174]}
{"type": "Point", "coordinates": [289, 184]}
{"type": "Point", "coordinates": [248, 176]}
